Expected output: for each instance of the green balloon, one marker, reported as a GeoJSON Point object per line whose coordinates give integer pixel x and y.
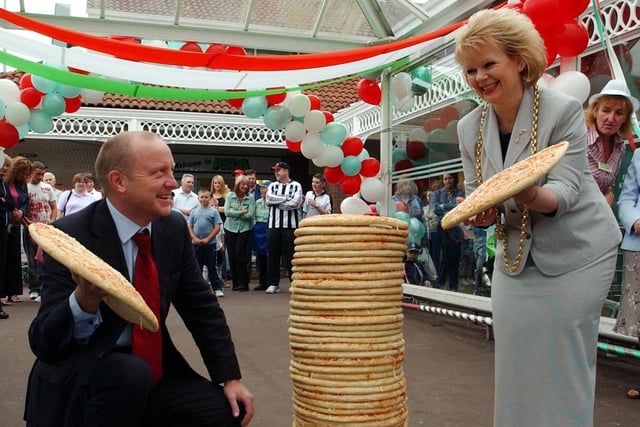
{"type": "Point", "coordinates": [421, 73]}
{"type": "Point", "coordinates": [351, 165]}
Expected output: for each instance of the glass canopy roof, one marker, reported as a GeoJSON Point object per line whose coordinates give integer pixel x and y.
{"type": "Point", "coordinates": [276, 26]}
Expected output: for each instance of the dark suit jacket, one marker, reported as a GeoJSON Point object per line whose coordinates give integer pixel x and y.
{"type": "Point", "coordinates": [63, 367]}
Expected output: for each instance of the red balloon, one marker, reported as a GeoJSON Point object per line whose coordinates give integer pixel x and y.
{"type": "Point", "coordinates": [235, 50]}
{"type": "Point", "coordinates": [328, 117]}
{"type": "Point", "coordinates": [191, 47]}
{"type": "Point", "coordinates": [552, 52]}
{"type": "Point", "coordinates": [449, 114]}
{"type": "Point", "coordinates": [401, 206]}
{"type": "Point", "coordinates": [402, 165]}
{"type": "Point", "coordinates": [127, 39]}
{"type": "Point", "coordinates": [572, 9]}
{"type": "Point", "coordinates": [352, 146]}
{"type": "Point", "coordinates": [30, 97]}
{"type": "Point", "coordinates": [79, 71]}
{"type": "Point", "coordinates": [71, 105]}
{"type": "Point", "coordinates": [373, 211]}
{"type": "Point", "coordinates": [276, 98]}
{"type": "Point", "coordinates": [333, 175]}
{"type": "Point", "coordinates": [433, 123]}
{"type": "Point", "coordinates": [369, 167]}
{"type": "Point", "coordinates": [351, 184]}
{"type": "Point", "coordinates": [572, 38]}
{"type": "Point", "coordinates": [416, 150]}
{"type": "Point", "coordinates": [294, 146]}
{"type": "Point", "coordinates": [542, 10]}
{"type": "Point", "coordinates": [315, 102]}
{"type": "Point", "coordinates": [236, 102]}
{"type": "Point", "coordinates": [369, 91]}
{"type": "Point", "coordinates": [25, 81]}
{"type": "Point", "coordinates": [215, 48]}
{"type": "Point", "coordinates": [9, 136]}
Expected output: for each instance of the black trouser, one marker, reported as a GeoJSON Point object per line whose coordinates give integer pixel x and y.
{"type": "Point", "coordinates": [120, 394]}
{"type": "Point", "coordinates": [13, 276]}
{"type": "Point", "coordinates": [279, 245]}
{"type": "Point", "coordinates": [237, 245]}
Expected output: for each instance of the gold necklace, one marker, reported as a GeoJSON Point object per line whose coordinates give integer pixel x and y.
{"type": "Point", "coordinates": [525, 211]}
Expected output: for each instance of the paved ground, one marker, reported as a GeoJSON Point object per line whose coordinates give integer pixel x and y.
{"type": "Point", "coordinates": [449, 366]}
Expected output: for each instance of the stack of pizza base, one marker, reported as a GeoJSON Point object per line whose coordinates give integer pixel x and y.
{"type": "Point", "coordinates": [345, 323]}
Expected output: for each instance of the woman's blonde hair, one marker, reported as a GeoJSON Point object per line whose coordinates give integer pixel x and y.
{"type": "Point", "coordinates": [510, 31]}
{"type": "Point", "coordinates": [626, 130]}
{"type": "Point", "coordinates": [240, 179]}
{"type": "Point", "coordinates": [7, 160]}
{"type": "Point", "coordinates": [223, 187]}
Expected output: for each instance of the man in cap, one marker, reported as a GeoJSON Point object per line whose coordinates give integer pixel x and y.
{"type": "Point", "coordinates": [414, 271]}
{"type": "Point", "coordinates": [284, 197]}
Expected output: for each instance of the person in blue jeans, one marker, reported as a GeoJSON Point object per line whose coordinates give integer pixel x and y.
{"type": "Point", "coordinates": [204, 226]}
{"type": "Point", "coordinates": [446, 244]}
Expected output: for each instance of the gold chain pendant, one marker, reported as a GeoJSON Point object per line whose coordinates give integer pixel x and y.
{"type": "Point", "coordinates": [500, 233]}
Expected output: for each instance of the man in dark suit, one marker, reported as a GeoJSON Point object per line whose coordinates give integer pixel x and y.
{"type": "Point", "coordinates": [85, 374]}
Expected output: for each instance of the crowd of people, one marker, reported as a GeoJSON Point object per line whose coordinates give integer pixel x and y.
{"type": "Point", "coordinates": [556, 244]}
{"type": "Point", "coordinates": [228, 227]}
{"type": "Point", "coordinates": [28, 195]}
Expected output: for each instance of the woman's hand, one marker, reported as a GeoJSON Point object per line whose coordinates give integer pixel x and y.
{"type": "Point", "coordinates": [483, 219]}
{"type": "Point", "coordinates": [527, 196]}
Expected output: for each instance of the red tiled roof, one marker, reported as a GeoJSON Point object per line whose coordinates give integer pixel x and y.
{"type": "Point", "coordinates": [334, 97]}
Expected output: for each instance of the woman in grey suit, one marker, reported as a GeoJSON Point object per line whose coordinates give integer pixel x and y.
{"type": "Point", "coordinates": [557, 240]}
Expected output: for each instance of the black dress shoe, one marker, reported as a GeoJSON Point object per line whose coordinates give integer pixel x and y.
{"type": "Point", "coordinates": [3, 315]}
{"type": "Point", "coordinates": [243, 289]}
{"type": "Point", "coordinates": [260, 288]}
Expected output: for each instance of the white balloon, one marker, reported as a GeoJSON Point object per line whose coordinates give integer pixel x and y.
{"type": "Point", "coordinates": [300, 105]}
{"type": "Point", "coordinates": [418, 134]}
{"type": "Point", "coordinates": [9, 91]}
{"type": "Point", "coordinates": [372, 189]}
{"type": "Point", "coordinates": [401, 84]}
{"type": "Point", "coordinates": [354, 206]}
{"type": "Point", "coordinates": [318, 162]}
{"type": "Point", "coordinates": [91, 96]}
{"type": "Point", "coordinates": [155, 43]}
{"type": "Point", "coordinates": [311, 146]}
{"type": "Point", "coordinates": [314, 121]}
{"type": "Point", "coordinates": [573, 83]}
{"type": "Point", "coordinates": [405, 104]}
{"type": "Point", "coordinates": [294, 131]}
{"type": "Point", "coordinates": [546, 80]}
{"type": "Point", "coordinates": [17, 113]}
{"type": "Point", "coordinates": [331, 155]}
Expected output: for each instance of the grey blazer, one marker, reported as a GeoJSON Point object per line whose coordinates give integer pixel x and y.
{"type": "Point", "coordinates": [583, 227]}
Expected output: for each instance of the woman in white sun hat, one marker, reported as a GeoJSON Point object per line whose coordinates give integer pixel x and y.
{"type": "Point", "coordinates": [609, 123]}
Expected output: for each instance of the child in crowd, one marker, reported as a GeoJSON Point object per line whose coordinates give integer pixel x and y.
{"type": "Point", "coordinates": [414, 271]}
{"type": "Point", "coordinates": [204, 225]}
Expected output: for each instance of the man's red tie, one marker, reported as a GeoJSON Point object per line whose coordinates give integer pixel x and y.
{"type": "Point", "coordinates": [147, 345]}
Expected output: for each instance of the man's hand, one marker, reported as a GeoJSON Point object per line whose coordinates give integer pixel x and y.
{"type": "Point", "coordinates": [88, 295]}
{"type": "Point", "coordinates": [236, 392]}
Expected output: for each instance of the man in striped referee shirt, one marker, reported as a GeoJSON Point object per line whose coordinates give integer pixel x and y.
{"type": "Point", "coordinates": [284, 198]}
